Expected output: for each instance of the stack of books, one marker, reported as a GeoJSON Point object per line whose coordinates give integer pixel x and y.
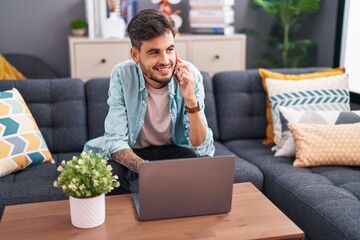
{"type": "Point", "coordinates": [212, 17]}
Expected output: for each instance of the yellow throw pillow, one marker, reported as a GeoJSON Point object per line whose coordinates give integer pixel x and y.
{"type": "Point", "coordinates": [318, 145]}
{"type": "Point", "coordinates": [21, 142]}
{"type": "Point", "coordinates": [8, 71]}
{"type": "Point", "coordinates": [276, 75]}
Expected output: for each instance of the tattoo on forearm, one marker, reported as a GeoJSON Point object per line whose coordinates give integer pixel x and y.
{"type": "Point", "coordinates": [128, 158]}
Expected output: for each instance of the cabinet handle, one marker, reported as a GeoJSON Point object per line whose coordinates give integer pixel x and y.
{"type": "Point", "coordinates": [217, 56]}
{"type": "Point", "coordinates": [103, 60]}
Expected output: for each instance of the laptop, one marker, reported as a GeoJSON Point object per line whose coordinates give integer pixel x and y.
{"type": "Point", "coordinates": [184, 187]}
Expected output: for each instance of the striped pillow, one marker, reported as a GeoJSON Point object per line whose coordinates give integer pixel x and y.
{"type": "Point", "coordinates": [318, 94]}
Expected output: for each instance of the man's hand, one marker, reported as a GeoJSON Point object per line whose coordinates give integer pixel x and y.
{"type": "Point", "coordinates": [185, 79]}
{"type": "Point", "coordinates": [128, 158]}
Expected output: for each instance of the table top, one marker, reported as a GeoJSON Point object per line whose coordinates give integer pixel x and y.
{"type": "Point", "coordinates": [252, 216]}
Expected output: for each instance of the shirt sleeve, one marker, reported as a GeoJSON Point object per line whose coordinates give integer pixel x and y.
{"type": "Point", "coordinates": [116, 125]}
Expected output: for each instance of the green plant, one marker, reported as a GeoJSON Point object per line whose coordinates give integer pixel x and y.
{"type": "Point", "coordinates": [86, 176]}
{"type": "Point", "coordinates": [78, 23]}
{"type": "Point", "coordinates": [291, 52]}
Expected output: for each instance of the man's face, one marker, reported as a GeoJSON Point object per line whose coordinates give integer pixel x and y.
{"type": "Point", "coordinates": [157, 59]}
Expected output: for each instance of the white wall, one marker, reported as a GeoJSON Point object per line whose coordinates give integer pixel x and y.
{"type": "Point", "coordinates": [350, 50]}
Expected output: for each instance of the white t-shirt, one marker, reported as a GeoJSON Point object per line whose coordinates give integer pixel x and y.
{"type": "Point", "coordinates": [156, 130]}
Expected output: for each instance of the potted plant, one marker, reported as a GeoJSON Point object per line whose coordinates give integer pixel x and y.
{"type": "Point", "coordinates": [290, 51]}
{"type": "Point", "coordinates": [78, 26]}
{"type": "Point", "coordinates": [86, 179]}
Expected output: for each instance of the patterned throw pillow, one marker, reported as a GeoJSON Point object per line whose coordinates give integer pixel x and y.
{"type": "Point", "coordinates": [318, 94]}
{"type": "Point", "coordinates": [21, 142]}
{"type": "Point", "coordinates": [276, 75]}
{"type": "Point", "coordinates": [289, 115]}
{"type": "Point", "coordinates": [318, 145]}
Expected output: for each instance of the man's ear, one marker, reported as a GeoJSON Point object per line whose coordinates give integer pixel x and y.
{"type": "Point", "coordinates": [134, 54]}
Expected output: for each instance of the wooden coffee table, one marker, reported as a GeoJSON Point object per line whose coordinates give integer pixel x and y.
{"type": "Point", "coordinates": [252, 216]}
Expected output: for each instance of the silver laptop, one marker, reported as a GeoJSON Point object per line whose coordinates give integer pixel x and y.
{"type": "Point", "coordinates": [185, 187]}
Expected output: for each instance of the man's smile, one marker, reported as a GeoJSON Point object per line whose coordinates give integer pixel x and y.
{"type": "Point", "coordinates": [163, 69]}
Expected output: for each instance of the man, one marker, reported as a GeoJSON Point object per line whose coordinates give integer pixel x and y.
{"type": "Point", "coordinates": [156, 101]}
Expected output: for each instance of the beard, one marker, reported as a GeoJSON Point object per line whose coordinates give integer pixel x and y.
{"type": "Point", "coordinates": [156, 76]}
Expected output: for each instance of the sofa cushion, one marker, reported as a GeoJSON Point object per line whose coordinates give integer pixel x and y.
{"type": "Point", "coordinates": [240, 101]}
{"type": "Point", "coordinates": [21, 142]}
{"type": "Point", "coordinates": [318, 145]}
{"type": "Point", "coordinates": [326, 93]}
{"type": "Point", "coordinates": [31, 185]}
{"type": "Point", "coordinates": [58, 107]}
{"type": "Point", "coordinates": [244, 171]}
{"type": "Point", "coordinates": [289, 115]}
{"type": "Point", "coordinates": [322, 201]}
{"type": "Point", "coordinates": [277, 75]}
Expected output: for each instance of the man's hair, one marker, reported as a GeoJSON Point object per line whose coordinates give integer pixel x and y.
{"type": "Point", "coordinates": [148, 24]}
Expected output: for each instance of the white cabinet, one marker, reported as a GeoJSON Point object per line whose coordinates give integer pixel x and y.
{"type": "Point", "coordinates": [91, 58]}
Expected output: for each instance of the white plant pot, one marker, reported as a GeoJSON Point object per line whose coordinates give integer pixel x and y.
{"type": "Point", "coordinates": [78, 32]}
{"type": "Point", "coordinates": [87, 212]}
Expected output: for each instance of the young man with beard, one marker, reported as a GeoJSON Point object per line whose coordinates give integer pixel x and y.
{"type": "Point", "coordinates": [156, 101]}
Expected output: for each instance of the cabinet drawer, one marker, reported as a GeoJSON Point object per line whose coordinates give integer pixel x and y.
{"type": "Point", "coordinates": [98, 59]}
{"type": "Point", "coordinates": [218, 55]}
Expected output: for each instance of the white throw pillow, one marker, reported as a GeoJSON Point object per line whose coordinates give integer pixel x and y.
{"type": "Point", "coordinates": [318, 94]}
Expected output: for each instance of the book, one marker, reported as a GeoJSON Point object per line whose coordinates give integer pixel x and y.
{"type": "Point", "coordinates": [212, 16]}
{"type": "Point", "coordinates": [210, 7]}
{"type": "Point", "coordinates": [216, 20]}
{"type": "Point", "coordinates": [132, 9]}
{"type": "Point", "coordinates": [211, 13]}
{"type": "Point", "coordinates": [211, 3]}
{"type": "Point", "coordinates": [226, 30]}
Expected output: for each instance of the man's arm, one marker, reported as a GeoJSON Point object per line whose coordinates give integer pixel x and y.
{"type": "Point", "coordinates": [197, 126]}
{"type": "Point", "coordinates": [128, 158]}
{"type": "Point", "coordinates": [186, 81]}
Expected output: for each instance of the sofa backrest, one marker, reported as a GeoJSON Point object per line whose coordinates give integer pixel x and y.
{"type": "Point", "coordinates": [210, 106]}
{"type": "Point", "coordinates": [30, 66]}
{"type": "Point", "coordinates": [58, 107]}
{"type": "Point", "coordinates": [97, 107]}
{"type": "Point", "coordinates": [240, 102]}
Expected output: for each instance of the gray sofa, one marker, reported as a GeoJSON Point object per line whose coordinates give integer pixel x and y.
{"type": "Point", "coordinates": [323, 201]}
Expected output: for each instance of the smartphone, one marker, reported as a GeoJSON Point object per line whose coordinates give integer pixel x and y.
{"type": "Point", "coordinates": [176, 62]}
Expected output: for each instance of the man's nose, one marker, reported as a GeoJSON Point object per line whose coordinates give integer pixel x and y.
{"type": "Point", "coordinates": [164, 59]}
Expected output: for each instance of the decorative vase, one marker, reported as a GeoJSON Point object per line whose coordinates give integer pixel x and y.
{"type": "Point", "coordinates": [87, 212]}
{"type": "Point", "coordinates": [78, 32]}
{"type": "Point", "coordinates": [114, 27]}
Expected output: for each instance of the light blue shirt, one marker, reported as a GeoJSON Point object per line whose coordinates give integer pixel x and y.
{"type": "Point", "coordinates": [128, 103]}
